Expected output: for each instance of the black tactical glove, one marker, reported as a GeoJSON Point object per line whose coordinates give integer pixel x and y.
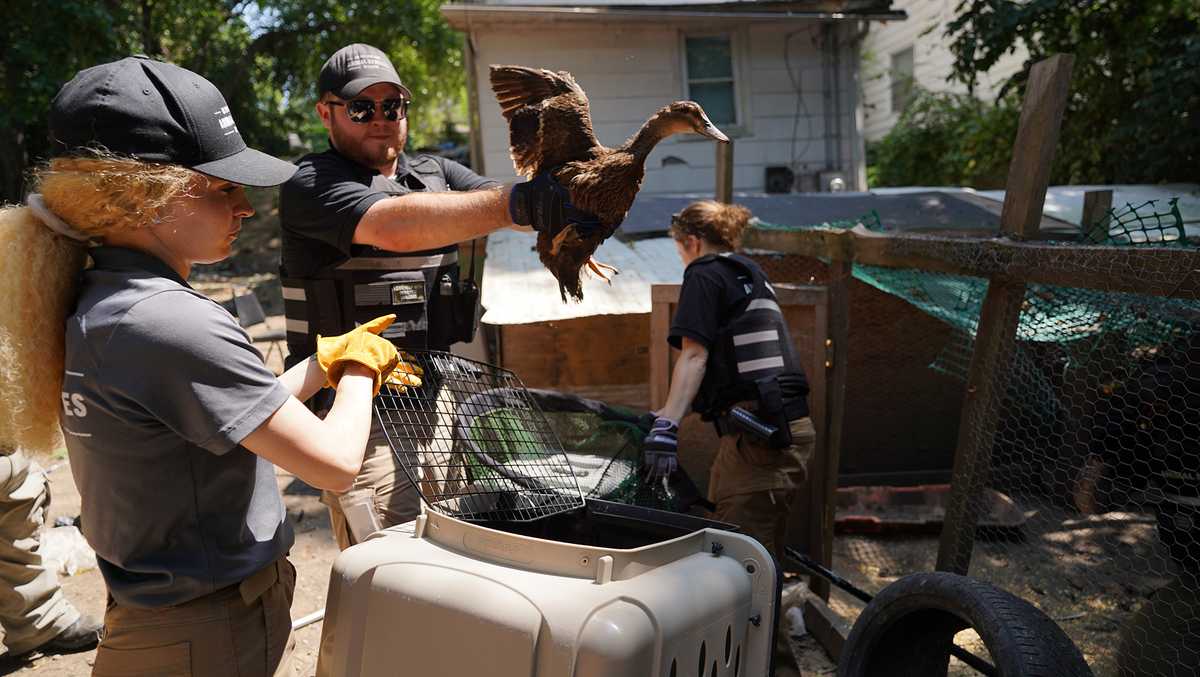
{"type": "Point", "coordinates": [546, 206]}
{"type": "Point", "coordinates": [660, 449]}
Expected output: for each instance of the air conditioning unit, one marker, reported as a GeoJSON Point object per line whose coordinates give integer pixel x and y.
{"type": "Point", "coordinates": [779, 179]}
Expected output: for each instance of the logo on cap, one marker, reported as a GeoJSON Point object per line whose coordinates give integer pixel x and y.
{"type": "Point", "coordinates": [364, 61]}
{"type": "Point", "coordinates": [225, 119]}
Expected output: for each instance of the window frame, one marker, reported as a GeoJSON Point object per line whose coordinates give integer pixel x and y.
{"type": "Point", "coordinates": [894, 82]}
{"type": "Point", "coordinates": [739, 74]}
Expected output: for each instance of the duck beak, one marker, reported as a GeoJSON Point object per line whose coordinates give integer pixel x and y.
{"type": "Point", "coordinates": [710, 130]}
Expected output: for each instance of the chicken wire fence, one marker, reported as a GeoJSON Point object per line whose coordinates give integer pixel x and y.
{"type": "Point", "coordinates": [480, 446]}
{"type": "Point", "coordinates": [1088, 502]}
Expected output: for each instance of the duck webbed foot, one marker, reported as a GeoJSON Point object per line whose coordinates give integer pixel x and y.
{"type": "Point", "coordinates": [567, 234]}
{"type": "Point", "coordinates": [599, 269]}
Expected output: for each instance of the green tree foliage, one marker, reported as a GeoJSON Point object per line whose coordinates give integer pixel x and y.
{"type": "Point", "coordinates": [1134, 111]}
{"type": "Point", "coordinates": [264, 56]}
{"type": "Point", "coordinates": [945, 138]}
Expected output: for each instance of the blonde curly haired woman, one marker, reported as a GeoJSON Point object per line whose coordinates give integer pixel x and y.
{"type": "Point", "coordinates": [173, 423]}
{"type": "Point", "coordinates": [735, 353]}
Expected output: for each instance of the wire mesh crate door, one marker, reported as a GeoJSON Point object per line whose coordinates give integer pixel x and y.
{"type": "Point", "coordinates": [475, 444]}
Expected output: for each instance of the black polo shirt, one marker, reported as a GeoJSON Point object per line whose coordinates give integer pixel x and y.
{"type": "Point", "coordinates": [321, 205]}
{"type": "Point", "coordinates": [712, 292]}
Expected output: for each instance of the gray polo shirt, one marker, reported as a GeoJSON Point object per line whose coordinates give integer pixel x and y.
{"type": "Point", "coordinates": [161, 386]}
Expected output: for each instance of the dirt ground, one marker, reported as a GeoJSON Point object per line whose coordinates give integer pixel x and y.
{"type": "Point", "coordinates": [1088, 573]}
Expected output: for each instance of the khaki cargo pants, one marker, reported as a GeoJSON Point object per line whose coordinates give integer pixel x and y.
{"type": "Point", "coordinates": [754, 485]}
{"type": "Point", "coordinates": [382, 494]}
{"type": "Point", "coordinates": [241, 631]}
{"type": "Point", "coordinates": [32, 607]}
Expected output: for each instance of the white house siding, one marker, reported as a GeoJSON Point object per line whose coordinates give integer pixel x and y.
{"type": "Point", "coordinates": [932, 61]}
{"type": "Point", "coordinates": [630, 70]}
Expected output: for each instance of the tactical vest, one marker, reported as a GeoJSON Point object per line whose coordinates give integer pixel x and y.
{"type": "Point", "coordinates": [753, 358]}
{"type": "Point", "coordinates": [433, 307]}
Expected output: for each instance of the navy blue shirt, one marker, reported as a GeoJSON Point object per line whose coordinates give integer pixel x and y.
{"type": "Point", "coordinates": [161, 387]}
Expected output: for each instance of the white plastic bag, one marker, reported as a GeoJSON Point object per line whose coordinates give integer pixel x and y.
{"type": "Point", "coordinates": [64, 550]}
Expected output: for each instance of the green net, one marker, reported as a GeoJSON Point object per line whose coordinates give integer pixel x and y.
{"type": "Point", "coordinates": [1138, 224]}
{"type": "Point", "coordinates": [604, 453]}
{"type": "Point", "coordinates": [1050, 314]}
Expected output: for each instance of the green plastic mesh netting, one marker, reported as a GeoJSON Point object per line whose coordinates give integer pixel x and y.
{"type": "Point", "coordinates": [1051, 315]}
{"type": "Point", "coordinates": [603, 445]}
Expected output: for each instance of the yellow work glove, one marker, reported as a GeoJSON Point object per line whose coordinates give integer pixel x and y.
{"type": "Point", "coordinates": [406, 374]}
{"type": "Point", "coordinates": [362, 345]}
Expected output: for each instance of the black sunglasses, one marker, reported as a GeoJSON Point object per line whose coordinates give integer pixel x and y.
{"type": "Point", "coordinates": [362, 111]}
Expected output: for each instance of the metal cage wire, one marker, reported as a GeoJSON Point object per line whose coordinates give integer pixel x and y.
{"type": "Point", "coordinates": [1093, 435]}
{"type": "Point", "coordinates": [475, 443]}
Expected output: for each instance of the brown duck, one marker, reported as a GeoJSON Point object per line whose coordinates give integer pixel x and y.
{"type": "Point", "coordinates": [550, 129]}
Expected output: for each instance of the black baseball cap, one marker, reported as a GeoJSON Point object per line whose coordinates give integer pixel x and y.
{"type": "Point", "coordinates": [355, 67]}
{"type": "Point", "coordinates": [158, 112]}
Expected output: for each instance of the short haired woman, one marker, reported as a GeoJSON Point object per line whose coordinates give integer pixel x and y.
{"type": "Point", "coordinates": [735, 353]}
{"type": "Point", "coordinates": [173, 423]}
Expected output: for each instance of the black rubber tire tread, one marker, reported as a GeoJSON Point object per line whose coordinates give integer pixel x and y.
{"type": "Point", "coordinates": [907, 629]}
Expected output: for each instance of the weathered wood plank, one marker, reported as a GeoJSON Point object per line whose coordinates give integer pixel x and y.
{"type": "Point", "coordinates": [1096, 204]}
{"type": "Point", "coordinates": [1037, 139]}
{"type": "Point", "coordinates": [837, 366]}
{"type": "Point", "coordinates": [1156, 271]}
{"type": "Point", "coordinates": [986, 381]}
{"type": "Point", "coordinates": [565, 353]}
{"type": "Point", "coordinates": [988, 378]}
{"type": "Point", "coordinates": [826, 627]}
{"type": "Point", "coordinates": [807, 529]}
{"type": "Point", "coordinates": [724, 188]}
{"type": "Point", "coordinates": [475, 139]}
{"type": "Point", "coordinates": [662, 297]}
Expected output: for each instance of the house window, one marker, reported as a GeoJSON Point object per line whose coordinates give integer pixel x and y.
{"type": "Point", "coordinates": [902, 79]}
{"type": "Point", "coordinates": [710, 77]}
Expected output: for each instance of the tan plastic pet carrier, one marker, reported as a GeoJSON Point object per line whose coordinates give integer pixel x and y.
{"type": "Point", "coordinates": [511, 571]}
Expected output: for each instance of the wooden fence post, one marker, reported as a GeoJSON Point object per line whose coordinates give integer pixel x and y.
{"type": "Point", "coordinates": [661, 298]}
{"type": "Point", "coordinates": [987, 380]}
{"type": "Point", "coordinates": [836, 366]}
{"type": "Point", "coordinates": [1096, 204]}
{"type": "Point", "coordinates": [724, 189]}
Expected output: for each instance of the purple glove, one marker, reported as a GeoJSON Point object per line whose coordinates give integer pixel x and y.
{"type": "Point", "coordinates": [660, 449]}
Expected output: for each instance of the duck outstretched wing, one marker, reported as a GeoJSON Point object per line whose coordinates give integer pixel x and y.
{"type": "Point", "coordinates": [549, 122]}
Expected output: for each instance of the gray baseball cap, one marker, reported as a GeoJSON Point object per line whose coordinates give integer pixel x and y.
{"type": "Point", "coordinates": [355, 67]}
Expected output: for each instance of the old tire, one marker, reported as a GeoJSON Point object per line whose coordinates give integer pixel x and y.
{"type": "Point", "coordinates": [908, 627]}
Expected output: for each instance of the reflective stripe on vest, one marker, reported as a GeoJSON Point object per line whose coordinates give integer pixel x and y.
{"type": "Point", "coordinates": [754, 346]}
{"type": "Point", "coordinates": [399, 262]}
{"type": "Point", "coordinates": [341, 296]}
{"type": "Point", "coordinates": [763, 304]}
